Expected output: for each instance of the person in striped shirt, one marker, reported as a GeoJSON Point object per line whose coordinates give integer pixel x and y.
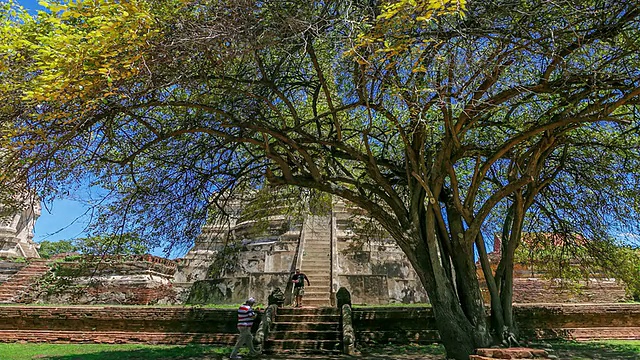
{"type": "Point", "coordinates": [246, 316]}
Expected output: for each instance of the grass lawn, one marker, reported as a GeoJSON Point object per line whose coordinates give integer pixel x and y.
{"type": "Point", "coordinates": [564, 350]}
{"type": "Point", "coordinates": [609, 350]}
{"type": "Point", "coordinates": [109, 352]}
{"type": "Point", "coordinates": [602, 350]}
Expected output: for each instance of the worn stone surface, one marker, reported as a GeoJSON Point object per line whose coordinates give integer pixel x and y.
{"type": "Point", "coordinates": [133, 280]}
{"type": "Point", "coordinates": [512, 353]}
{"type": "Point", "coordinates": [16, 231]}
{"type": "Point", "coordinates": [375, 271]}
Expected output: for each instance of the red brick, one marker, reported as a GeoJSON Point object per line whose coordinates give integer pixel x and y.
{"type": "Point", "coordinates": [512, 353]}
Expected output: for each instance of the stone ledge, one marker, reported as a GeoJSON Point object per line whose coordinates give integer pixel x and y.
{"type": "Point", "coordinates": [510, 353]}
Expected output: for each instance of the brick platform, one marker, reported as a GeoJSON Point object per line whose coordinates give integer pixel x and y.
{"type": "Point", "coordinates": [510, 353]}
{"type": "Point", "coordinates": [397, 325]}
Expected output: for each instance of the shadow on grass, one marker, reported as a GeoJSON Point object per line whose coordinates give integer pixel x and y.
{"type": "Point", "coordinates": [412, 349]}
{"type": "Point", "coordinates": [175, 353]}
{"type": "Point", "coordinates": [609, 350]}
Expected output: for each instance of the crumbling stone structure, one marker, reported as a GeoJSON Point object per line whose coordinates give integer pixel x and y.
{"type": "Point", "coordinates": [231, 262]}
{"type": "Point", "coordinates": [16, 232]}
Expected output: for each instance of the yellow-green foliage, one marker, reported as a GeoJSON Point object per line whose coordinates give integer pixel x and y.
{"type": "Point", "coordinates": [394, 31]}
{"type": "Point", "coordinates": [74, 51]}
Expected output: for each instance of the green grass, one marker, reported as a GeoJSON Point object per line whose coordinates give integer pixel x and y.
{"type": "Point", "coordinates": [372, 351]}
{"type": "Point", "coordinates": [609, 349]}
{"type": "Point", "coordinates": [110, 352]}
{"type": "Point", "coordinates": [603, 350]}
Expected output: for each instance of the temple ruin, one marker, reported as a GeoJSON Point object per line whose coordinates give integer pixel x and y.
{"type": "Point", "coordinates": [16, 231]}
{"type": "Point", "coordinates": [233, 261]}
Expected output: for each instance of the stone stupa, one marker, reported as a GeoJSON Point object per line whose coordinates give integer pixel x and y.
{"type": "Point", "coordinates": [246, 256]}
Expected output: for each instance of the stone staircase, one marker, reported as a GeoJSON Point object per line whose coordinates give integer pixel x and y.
{"type": "Point", "coordinates": [305, 331]}
{"type": "Point", "coordinates": [316, 260]}
{"type": "Point", "coordinates": [11, 289]}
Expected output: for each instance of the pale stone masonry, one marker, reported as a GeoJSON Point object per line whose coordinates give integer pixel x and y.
{"type": "Point", "coordinates": [327, 247]}
{"type": "Point", "coordinates": [16, 232]}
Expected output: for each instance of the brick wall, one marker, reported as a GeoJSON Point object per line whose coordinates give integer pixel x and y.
{"type": "Point", "coordinates": [184, 325]}
{"type": "Point", "coordinates": [541, 321]}
{"type": "Point", "coordinates": [118, 324]}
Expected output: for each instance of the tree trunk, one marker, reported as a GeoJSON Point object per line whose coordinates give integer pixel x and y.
{"type": "Point", "coordinates": [459, 335]}
{"type": "Point", "coordinates": [504, 275]}
{"type": "Point", "coordinates": [468, 286]}
{"type": "Point", "coordinates": [456, 332]}
{"type": "Point", "coordinates": [497, 314]}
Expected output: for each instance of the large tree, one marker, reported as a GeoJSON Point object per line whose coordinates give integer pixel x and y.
{"type": "Point", "coordinates": [428, 120]}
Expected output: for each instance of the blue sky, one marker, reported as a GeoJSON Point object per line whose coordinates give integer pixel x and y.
{"type": "Point", "coordinates": [29, 4]}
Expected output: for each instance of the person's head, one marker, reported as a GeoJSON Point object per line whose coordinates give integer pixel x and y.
{"type": "Point", "coordinates": [297, 271]}
{"type": "Point", "coordinates": [250, 301]}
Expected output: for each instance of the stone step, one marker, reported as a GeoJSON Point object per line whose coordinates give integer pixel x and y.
{"type": "Point", "coordinates": [8, 288]}
{"type": "Point", "coordinates": [318, 273]}
{"type": "Point", "coordinates": [316, 302]}
{"type": "Point", "coordinates": [315, 271]}
{"type": "Point", "coordinates": [303, 346]}
{"type": "Point", "coordinates": [318, 280]}
{"type": "Point", "coordinates": [318, 288]}
{"type": "Point", "coordinates": [319, 266]}
{"type": "Point", "coordinates": [25, 275]}
{"type": "Point", "coordinates": [308, 311]}
{"type": "Point", "coordinates": [316, 247]}
{"type": "Point", "coordinates": [318, 232]}
{"type": "Point", "coordinates": [316, 276]}
{"type": "Point", "coordinates": [323, 229]}
{"type": "Point", "coordinates": [322, 260]}
{"type": "Point", "coordinates": [316, 255]}
{"type": "Point", "coordinates": [318, 229]}
{"type": "Point", "coordinates": [307, 318]}
{"type": "Point", "coordinates": [316, 267]}
{"type": "Point", "coordinates": [305, 335]}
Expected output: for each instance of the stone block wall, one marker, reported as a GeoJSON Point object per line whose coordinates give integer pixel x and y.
{"type": "Point", "coordinates": [372, 268]}
{"type": "Point", "coordinates": [236, 290]}
{"type": "Point", "coordinates": [131, 280]}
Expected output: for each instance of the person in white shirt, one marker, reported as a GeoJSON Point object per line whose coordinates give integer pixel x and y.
{"type": "Point", "coordinates": [246, 316]}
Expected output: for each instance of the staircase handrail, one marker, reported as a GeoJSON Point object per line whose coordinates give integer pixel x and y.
{"type": "Point", "coordinates": [265, 325]}
{"type": "Point", "coordinates": [348, 335]}
{"type": "Point", "coordinates": [24, 253]}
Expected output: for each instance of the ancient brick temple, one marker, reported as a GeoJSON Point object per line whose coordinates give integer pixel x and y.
{"type": "Point", "coordinates": [338, 248]}
{"type": "Point", "coordinates": [248, 256]}
{"type": "Point", "coordinates": [229, 263]}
